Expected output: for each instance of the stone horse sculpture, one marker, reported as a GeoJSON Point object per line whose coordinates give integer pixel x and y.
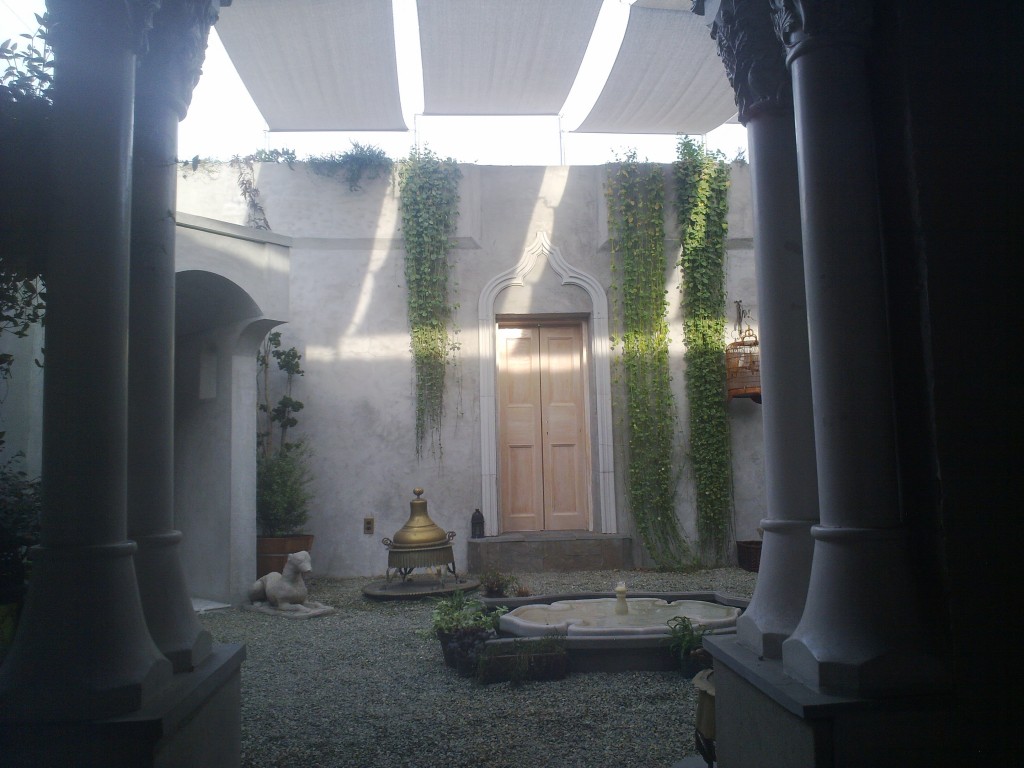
{"type": "Point", "coordinates": [286, 593]}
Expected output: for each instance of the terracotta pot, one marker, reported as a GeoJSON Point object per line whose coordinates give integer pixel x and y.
{"type": "Point", "coordinates": [272, 551]}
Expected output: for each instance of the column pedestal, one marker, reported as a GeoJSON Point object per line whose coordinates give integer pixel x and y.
{"type": "Point", "coordinates": [196, 721]}
{"type": "Point", "coordinates": [860, 632]}
{"type": "Point", "coordinates": [764, 717]}
{"type": "Point", "coordinates": [82, 650]}
{"type": "Point", "coordinates": [778, 601]}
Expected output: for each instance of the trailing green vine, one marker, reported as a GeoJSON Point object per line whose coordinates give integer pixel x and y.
{"type": "Point", "coordinates": [635, 196]}
{"type": "Point", "coordinates": [702, 182]}
{"type": "Point", "coordinates": [429, 191]}
{"type": "Point", "coordinates": [256, 217]}
{"type": "Point", "coordinates": [359, 162]}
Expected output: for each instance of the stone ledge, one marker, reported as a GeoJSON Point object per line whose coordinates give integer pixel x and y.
{"type": "Point", "coordinates": [767, 676]}
{"type": "Point", "coordinates": [171, 730]}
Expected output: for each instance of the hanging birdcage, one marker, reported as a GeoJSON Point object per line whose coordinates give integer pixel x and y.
{"type": "Point", "coordinates": [743, 367]}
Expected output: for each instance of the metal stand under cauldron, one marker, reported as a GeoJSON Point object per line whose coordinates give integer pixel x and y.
{"type": "Point", "coordinates": [420, 543]}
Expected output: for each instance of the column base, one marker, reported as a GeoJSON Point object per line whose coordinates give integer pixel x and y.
{"type": "Point", "coordinates": [196, 721]}
{"type": "Point", "coordinates": [764, 717]}
{"type": "Point", "coordinates": [781, 590]}
{"type": "Point", "coordinates": [165, 599]}
{"type": "Point", "coordinates": [861, 632]}
{"type": "Point", "coordinates": [82, 650]}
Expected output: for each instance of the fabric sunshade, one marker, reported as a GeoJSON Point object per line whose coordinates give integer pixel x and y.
{"type": "Point", "coordinates": [316, 65]}
{"type": "Point", "coordinates": [499, 57]}
{"type": "Point", "coordinates": [667, 78]}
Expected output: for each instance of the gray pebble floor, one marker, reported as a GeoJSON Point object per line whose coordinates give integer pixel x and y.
{"type": "Point", "coordinates": [367, 688]}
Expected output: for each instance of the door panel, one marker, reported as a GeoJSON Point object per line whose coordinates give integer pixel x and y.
{"type": "Point", "coordinates": [521, 461]}
{"type": "Point", "coordinates": [566, 445]}
{"type": "Point", "coordinates": [544, 449]}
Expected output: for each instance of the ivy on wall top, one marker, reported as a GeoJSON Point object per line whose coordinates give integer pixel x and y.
{"type": "Point", "coordinates": [362, 161]}
{"type": "Point", "coordinates": [429, 193]}
{"type": "Point", "coordinates": [635, 195]}
{"type": "Point", "coordinates": [702, 182]}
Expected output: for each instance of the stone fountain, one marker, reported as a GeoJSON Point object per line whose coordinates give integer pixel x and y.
{"type": "Point", "coordinates": [617, 631]}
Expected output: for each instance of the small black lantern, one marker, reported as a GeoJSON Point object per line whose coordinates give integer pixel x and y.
{"type": "Point", "coordinates": [477, 525]}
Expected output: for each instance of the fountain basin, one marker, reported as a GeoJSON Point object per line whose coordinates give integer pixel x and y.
{"type": "Point", "coordinates": [598, 617]}
{"type": "Point", "coordinates": [594, 648]}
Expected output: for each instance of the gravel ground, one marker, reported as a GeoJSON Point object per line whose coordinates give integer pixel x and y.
{"type": "Point", "coordinates": [367, 688]}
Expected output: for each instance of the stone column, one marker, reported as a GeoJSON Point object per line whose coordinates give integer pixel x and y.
{"type": "Point", "coordinates": [860, 633]}
{"type": "Point", "coordinates": [82, 650]}
{"type": "Point", "coordinates": [167, 74]}
{"type": "Point", "coordinates": [755, 62]}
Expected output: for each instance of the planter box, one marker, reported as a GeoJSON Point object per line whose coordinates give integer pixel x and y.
{"type": "Point", "coordinates": [495, 668]}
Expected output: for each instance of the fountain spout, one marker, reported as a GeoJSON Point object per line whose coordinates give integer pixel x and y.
{"type": "Point", "coordinates": [621, 606]}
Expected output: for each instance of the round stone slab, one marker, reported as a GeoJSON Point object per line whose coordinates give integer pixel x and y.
{"type": "Point", "coordinates": [418, 586]}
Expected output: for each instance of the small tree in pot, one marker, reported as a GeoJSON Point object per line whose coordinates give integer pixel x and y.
{"type": "Point", "coordinates": [282, 472]}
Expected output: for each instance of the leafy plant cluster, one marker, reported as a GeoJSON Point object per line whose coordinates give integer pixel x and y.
{"type": "Point", "coordinates": [22, 305]}
{"type": "Point", "coordinates": [635, 196]}
{"type": "Point", "coordinates": [498, 584]}
{"type": "Point", "coordinates": [28, 71]}
{"type": "Point", "coordinates": [702, 182]}
{"type": "Point", "coordinates": [360, 162]}
{"type": "Point", "coordinates": [459, 612]}
{"type": "Point", "coordinates": [282, 472]}
{"type": "Point", "coordinates": [25, 104]}
{"type": "Point", "coordinates": [429, 190]}
{"type": "Point", "coordinates": [687, 642]}
{"type": "Point", "coordinates": [21, 503]}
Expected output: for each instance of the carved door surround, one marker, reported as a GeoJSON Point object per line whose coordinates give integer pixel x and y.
{"type": "Point", "coordinates": [536, 255]}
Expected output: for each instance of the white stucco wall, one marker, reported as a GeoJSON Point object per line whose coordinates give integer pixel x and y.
{"type": "Point", "coordinates": [347, 317]}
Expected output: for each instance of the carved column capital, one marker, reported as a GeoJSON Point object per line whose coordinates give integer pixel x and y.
{"type": "Point", "coordinates": [108, 22]}
{"type": "Point", "coordinates": [170, 69]}
{"type": "Point", "coordinates": [801, 24]}
{"type": "Point", "coordinates": [754, 58]}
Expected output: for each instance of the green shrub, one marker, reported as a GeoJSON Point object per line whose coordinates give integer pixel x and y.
{"type": "Point", "coordinates": [20, 505]}
{"type": "Point", "coordinates": [282, 495]}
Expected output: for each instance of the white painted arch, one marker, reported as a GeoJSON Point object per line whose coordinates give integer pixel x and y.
{"type": "Point", "coordinates": [541, 249]}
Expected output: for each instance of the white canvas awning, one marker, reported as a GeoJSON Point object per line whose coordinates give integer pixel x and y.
{"type": "Point", "coordinates": [667, 78]}
{"type": "Point", "coordinates": [495, 57]}
{"type": "Point", "coordinates": [330, 65]}
{"type": "Point", "coordinates": [316, 65]}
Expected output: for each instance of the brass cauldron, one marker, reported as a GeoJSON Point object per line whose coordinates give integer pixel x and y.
{"type": "Point", "coordinates": [420, 543]}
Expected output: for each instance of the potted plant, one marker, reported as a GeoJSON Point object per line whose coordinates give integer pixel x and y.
{"type": "Point", "coordinates": [687, 643]}
{"type": "Point", "coordinates": [282, 471]}
{"type": "Point", "coordinates": [463, 626]}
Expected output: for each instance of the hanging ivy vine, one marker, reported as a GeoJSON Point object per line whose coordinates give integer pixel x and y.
{"type": "Point", "coordinates": [429, 192]}
{"type": "Point", "coordinates": [256, 217]}
{"type": "Point", "coordinates": [702, 182]}
{"type": "Point", "coordinates": [635, 196]}
{"type": "Point", "coordinates": [362, 161]}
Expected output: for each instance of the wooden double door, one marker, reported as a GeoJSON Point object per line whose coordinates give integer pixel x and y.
{"type": "Point", "coordinates": [544, 440]}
